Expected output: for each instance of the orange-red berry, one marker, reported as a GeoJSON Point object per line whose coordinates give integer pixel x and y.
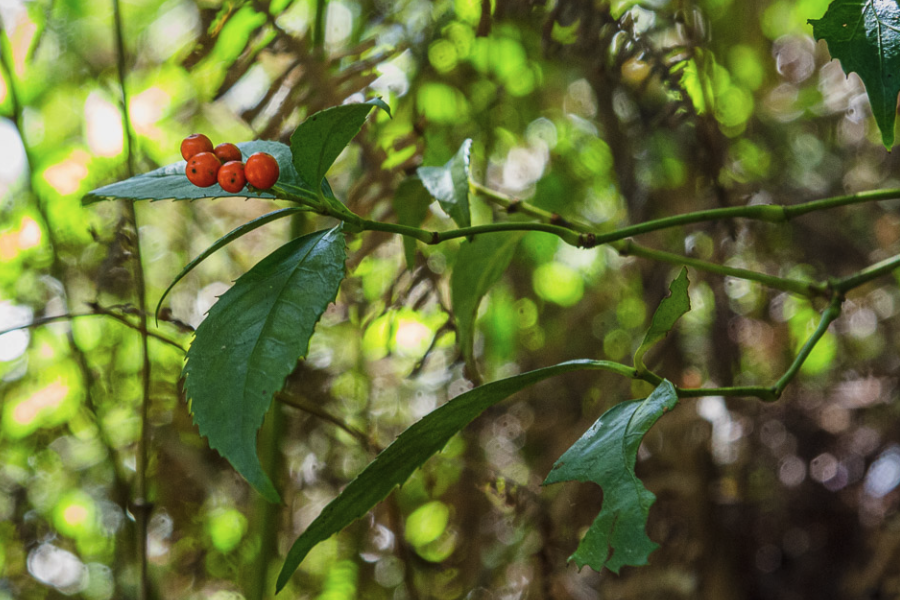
{"type": "Point", "coordinates": [231, 176]}
{"type": "Point", "coordinates": [261, 170]}
{"type": "Point", "coordinates": [195, 144]}
{"type": "Point", "coordinates": [228, 152]}
{"type": "Point", "coordinates": [202, 169]}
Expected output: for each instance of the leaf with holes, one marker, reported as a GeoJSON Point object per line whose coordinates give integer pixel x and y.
{"type": "Point", "coordinates": [606, 455]}
{"type": "Point", "coordinates": [865, 37]}
{"type": "Point", "coordinates": [251, 340]}
{"type": "Point", "coordinates": [410, 450]}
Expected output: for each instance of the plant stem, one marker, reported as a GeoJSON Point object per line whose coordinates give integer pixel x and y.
{"type": "Point", "coordinates": [868, 274]}
{"type": "Point", "coordinates": [828, 316]}
{"type": "Point", "coordinates": [436, 237]}
{"type": "Point", "coordinates": [141, 504]}
{"type": "Point", "coordinates": [871, 196]}
{"type": "Point", "coordinates": [795, 286]}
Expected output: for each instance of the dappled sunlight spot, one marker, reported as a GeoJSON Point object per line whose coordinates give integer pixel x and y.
{"type": "Point", "coordinates": [226, 527]}
{"type": "Point", "coordinates": [792, 471]}
{"type": "Point", "coordinates": [13, 241]}
{"type": "Point", "coordinates": [339, 21]}
{"type": "Point", "coordinates": [65, 177]}
{"type": "Point", "coordinates": [75, 515]}
{"type": "Point", "coordinates": [14, 343]}
{"type": "Point", "coordinates": [104, 126]}
{"type": "Point", "coordinates": [44, 400]}
{"type": "Point", "coordinates": [884, 474]}
{"type": "Point", "coordinates": [412, 337]}
{"type": "Point", "coordinates": [558, 283]}
{"type": "Point", "coordinates": [12, 155]}
{"type": "Point", "coordinates": [58, 568]}
{"type": "Point", "coordinates": [147, 108]}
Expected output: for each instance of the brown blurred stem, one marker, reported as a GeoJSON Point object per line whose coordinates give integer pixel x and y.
{"type": "Point", "coordinates": [141, 506]}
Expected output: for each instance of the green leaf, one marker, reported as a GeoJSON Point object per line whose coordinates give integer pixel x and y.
{"type": "Point", "coordinates": [672, 307]}
{"type": "Point", "coordinates": [251, 340]}
{"type": "Point", "coordinates": [225, 240]}
{"type": "Point", "coordinates": [409, 451]}
{"type": "Point", "coordinates": [479, 265]}
{"type": "Point", "coordinates": [865, 37]}
{"type": "Point", "coordinates": [317, 141]}
{"type": "Point", "coordinates": [605, 455]}
{"type": "Point", "coordinates": [170, 182]}
{"type": "Point", "coordinates": [411, 202]}
{"type": "Point", "coordinates": [450, 185]}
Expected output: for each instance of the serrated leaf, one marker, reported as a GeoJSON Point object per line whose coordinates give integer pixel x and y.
{"type": "Point", "coordinates": [170, 182]}
{"type": "Point", "coordinates": [251, 340]}
{"type": "Point", "coordinates": [226, 239]}
{"type": "Point", "coordinates": [450, 185]}
{"type": "Point", "coordinates": [408, 452]}
{"type": "Point", "coordinates": [865, 37]}
{"type": "Point", "coordinates": [606, 455]}
{"type": "Point", "coordinates": [672, 307]}
{"type": "Point", "coordinates": [479, 265]}
{"type": "Point", "coordinates": [411, 202]}
{"type": "Point", "coordinates": [317, 141]}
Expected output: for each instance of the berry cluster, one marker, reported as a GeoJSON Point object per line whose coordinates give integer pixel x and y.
{"type": "Point", "coordinates": [222, 164]}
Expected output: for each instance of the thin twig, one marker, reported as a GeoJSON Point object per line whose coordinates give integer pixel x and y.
{"type": "Point", "coordinates": [141, 504]}
{"type": "Point", "coordinates": [98, 311]}
{"type": "Point", "coordinates": [323, 414]}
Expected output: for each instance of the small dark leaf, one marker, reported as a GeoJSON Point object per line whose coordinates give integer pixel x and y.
{"type": "Point", "coordinates": [411, 203]}
{"type": "Point", "coordinates": [605, 455]}
{"type": "Point", "coordinates": [251, 340]}
{"type": "Point", "coordinates": [672, 307]}
{"type": "Point", "coordinates": [450, 185]}
{"type": "Point", "coordinates": [479, 265]}
{"type": "Point", "coordinates": [318, 140]}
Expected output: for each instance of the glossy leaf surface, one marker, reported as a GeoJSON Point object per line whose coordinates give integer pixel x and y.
{"type": "Point", "coordinates": [606, 455]}
{"type": "Point", "coordinates": [170, 182]}
{"type": "Point", "coordinates": [450, 185]}
{"type": "Point", "coordinates": [865, 37]}
{"type": "Point", "coordinates": [672, 307]}
{"type": "Point", "coordinates": [251, 340]}
{"type": "Point", "coordinates": [318, 141]}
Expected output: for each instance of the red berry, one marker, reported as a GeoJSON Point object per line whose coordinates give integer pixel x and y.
{"type": "Point", "coordinates": [231, 176]}
{"type": "Point", "coordinates": [195, 144]}
{"type": "Point", "coordinates": [228, 152]}
{"type": "Point", "coordinates": [202, 169]}
{"type": "Point", "coordinates": [261, 170]}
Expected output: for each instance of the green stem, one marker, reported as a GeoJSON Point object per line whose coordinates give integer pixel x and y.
{"type": "Point", "coordinates": [762, 212]}
{"type": "Point", "coordinates": [868, 274]}
{"type": "Point", "coordinates": [794, 286]}
{"type": "Point", "coordinates": [807, 207]}
{"type": "Point", "coordinates": [757, 391]}
{"type": "Point", "coordinates": [436, 237]}
{"type": "Point", "coordinates": [828, 316]}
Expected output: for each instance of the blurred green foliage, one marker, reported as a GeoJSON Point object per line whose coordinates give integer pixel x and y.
{"type": "Point", "coordinates": [609, 113]}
